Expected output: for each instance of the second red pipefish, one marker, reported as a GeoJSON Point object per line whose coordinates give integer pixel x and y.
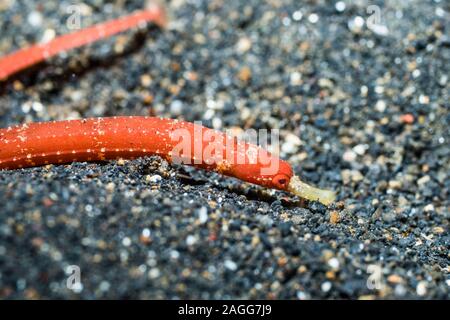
{"type": "Point", "coordinates": [27, 57]}
{"type": "Point", "coordinates": [95, 139]}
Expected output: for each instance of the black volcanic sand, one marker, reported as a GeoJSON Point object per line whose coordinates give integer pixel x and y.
{"type": "Point", "coordinates": [363, 111]}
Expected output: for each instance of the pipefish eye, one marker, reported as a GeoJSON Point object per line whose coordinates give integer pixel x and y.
{"type": "Point", "coordinates": [281, 181]}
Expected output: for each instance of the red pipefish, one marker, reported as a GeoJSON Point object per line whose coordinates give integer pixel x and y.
{"type": "Point", "coordinates": [27, 57]}
{"type": "Point", "coordinates": [95, 139]}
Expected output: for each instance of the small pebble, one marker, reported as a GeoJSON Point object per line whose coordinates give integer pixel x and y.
{"type": "Point", "coordinates": [230, 265]}
{"type": "Point", "coordinates": [334, 217]}
{"type": "Point", "coordinates": [313, 18]}
{"type": "Point", "coordinates": [35, 19]}
{"type": "Point", "coordinates": [423, 180]}
{"type": "Point", "coordinates": [349, 156]}
{"type": "Point", "coordinates": [340, 6]}
{"type": "Point", "coordinates": [380, 106]}
{"type": "Point", "coordinates": [203, 215]}
{"type": "Point", "coordinates": [297, 15]}
{"type": "Point", "coordinates": [153, 179]}
{"type": "Point", "coordinates": [360, 149]}
{"type": "Point", "coordinates": [326, 286]}
{"type": "Point", "coordinates": [296, 79]}
{"type": "Point", "coordinates": [245, 74]}
{"type": "Point", "coordinates": [355, 25]}
{"type": "Point", "coordinates": [243, 45]}
{"type": "Point", "coordinates": [126, 241]}
{"type": "Point", "coordinates": [334, 263]}
{"type": "Point", "coordinates": [421, 288]}
{"type": "Point", "coordinates": [407, 118]}
{"type": "Point", "coordinates": [154, 273]}
{"type": "Point", "coordinates": [191, 240]}
{"type": "Point", "coordinates": [176, 107]}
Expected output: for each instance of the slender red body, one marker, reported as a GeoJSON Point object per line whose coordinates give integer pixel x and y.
{"type": "Point", "coordinates": [96, 139]}
{"type": "Point", "coordinates": [24, 58]}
